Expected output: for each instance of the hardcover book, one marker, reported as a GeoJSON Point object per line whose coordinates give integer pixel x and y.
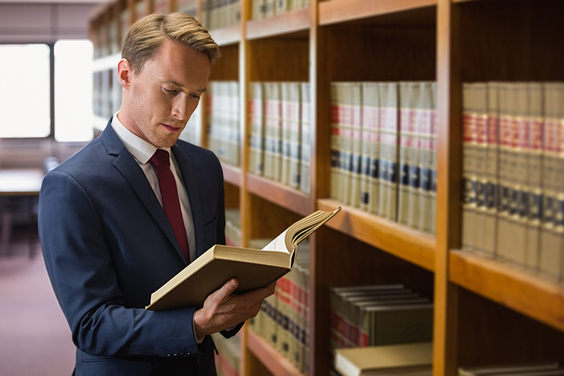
{"type": "Point", "coordinates": [252, 267]}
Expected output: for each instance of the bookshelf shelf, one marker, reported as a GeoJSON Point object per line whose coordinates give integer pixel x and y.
{"type": "Point", "coordinates": [227, 35]}
{"type": "Point", "coordinates": [401, 241]}
{"type": "Point", "coordinates": [337, 11]}
{"type": "Point", "coordinates": [279, 194]}
{"type": "Point", "coordinates": [285, 23]}
{"type": "Point", "coordinates": [231, 174]}
{"type": "Point", "coordinates": [509, 286]}
{"type": "Point", "coordinates": [276, 363]}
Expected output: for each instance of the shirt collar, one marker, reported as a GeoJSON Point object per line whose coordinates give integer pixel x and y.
{"type": "Point", "coordinates": [141, 150]}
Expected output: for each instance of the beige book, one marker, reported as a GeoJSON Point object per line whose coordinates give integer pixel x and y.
{"type": "Point", "coordinates": [290, 133]}
{"type": "Point", "coordinates": [478, 108]}
{"type": "Point", "coordinates": [408, 178]}
{"type": "Point", "coordinates": [369, 180]}
{"type": "Point", "coordinates": [551, 256]}
{"type": "Point", "coordinates": [492, 170]}
{"type": "Point", "coordinates": [258, 9]}
{"type": "Point", "coordinates": [427, 132]}
{"type": "Point", "coordinates": [355, 144]}
{"type": "Point", "coordinates": [256, 119]}
{"type": "Point", "coordinates": [337, 140]}
{"type": "Point", "coordinates": [533, 177]}
{"type": "Point", "coordinates": [305, 138]}
{"type": "Point", "coordinates": [253, 268]}
{"type": "Point", "coordinates": [388, 150]}
{"type": "Point", "coordinates": [380, 360]}
{"type": "Point", "coordinates": [273, 127]}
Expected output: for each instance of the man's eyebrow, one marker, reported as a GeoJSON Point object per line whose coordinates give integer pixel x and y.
{"type": "Point", "coordinates": [181, 86]}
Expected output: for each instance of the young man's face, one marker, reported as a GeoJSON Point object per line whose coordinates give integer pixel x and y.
{"type": "Point", "coordinates": [165, 93]}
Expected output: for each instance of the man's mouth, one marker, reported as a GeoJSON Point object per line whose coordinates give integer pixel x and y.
{"type": "Point", "coordinates": [171, 128]}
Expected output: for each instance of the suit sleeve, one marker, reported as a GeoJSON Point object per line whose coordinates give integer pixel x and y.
{"type": "Point", "coordinates": [80, 267]}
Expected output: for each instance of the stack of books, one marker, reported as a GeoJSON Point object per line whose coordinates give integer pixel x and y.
{"type": "Point", "coordinates": [372, 315]}
{"type": "Point", "coordinates": [224, 121]}
{"type": "Point", "coordinates": [383, 149]}
{"type": "Point", "coordinates": [513, 197]}
{"type": "Point", "coordinates": [280, 129]}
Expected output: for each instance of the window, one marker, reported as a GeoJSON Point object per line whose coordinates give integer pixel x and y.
{"type": "Point", "coordinates": [25, 94]}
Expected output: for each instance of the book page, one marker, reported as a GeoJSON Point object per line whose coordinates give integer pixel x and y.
{"type": "Point", "coordinates": [278, 244]}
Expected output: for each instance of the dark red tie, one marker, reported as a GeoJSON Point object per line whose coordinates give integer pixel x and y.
{"type": "Point", "coordinates": [169, 194]}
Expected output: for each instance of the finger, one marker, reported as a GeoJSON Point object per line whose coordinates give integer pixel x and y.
{"type": "Point", "coordinates": [227, 289]}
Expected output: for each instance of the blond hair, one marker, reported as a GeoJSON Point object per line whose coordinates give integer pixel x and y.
{"type": "Point", "coordinates": [146, 36]}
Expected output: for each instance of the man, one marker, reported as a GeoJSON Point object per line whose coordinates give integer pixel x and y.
{"type": "Point", "coordinates": [108, 243]}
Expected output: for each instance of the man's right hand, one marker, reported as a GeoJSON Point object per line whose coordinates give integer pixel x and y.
{"type": "Point", "coordinates": [224, 309]}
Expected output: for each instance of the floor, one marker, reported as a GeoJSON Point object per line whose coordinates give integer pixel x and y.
{"type": "Point", "coordinates": [34, 336]}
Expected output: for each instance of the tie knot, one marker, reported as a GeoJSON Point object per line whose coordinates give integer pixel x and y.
{"type": "Point", "coordinates": [160, 158]}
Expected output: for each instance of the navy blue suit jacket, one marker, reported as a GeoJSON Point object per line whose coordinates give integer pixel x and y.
{"type": "Point", "coordinates": [108, 245]}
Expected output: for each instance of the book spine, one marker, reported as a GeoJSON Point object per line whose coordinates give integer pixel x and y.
{"type": "Point", "coordinates": [287, 109]}
{"type": "Point", "coordinates": [370, 147]}
{"type": "Point", "coordinates": [337, 117]}
{"type": "Point", "coordinates": [355, 144]}
{"type": "Point", "coordinates": [427, 157]}
{"type": "Point", "coordinates": [492, 170]}
{"type": "Point", "coordinates": [256, 120]}
{"type": "Point", "coordinates": [533, 176]}
{"type": "Point", "coordinates": [305, 139]}
{"type": "Point", "coordinates": [551, 256]}
{"type": "Point", "coordinates": [388, 150]}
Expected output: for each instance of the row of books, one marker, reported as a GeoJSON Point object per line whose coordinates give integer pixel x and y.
{"type": "Point", "coordinates": [224, 121]}
{"type": "Point", "coordinates": [283, 318]}
{"type": "Point", "coordinates": [522, 369]}
{"type": "Point", "coordinates": [108, 37]}
{"type": "Point", "coordinates": [383, 149]}
{"type": "Point", "coordinates": [106, 93]}
{"type": "Point", "coordinates": [373, 315]}
{"type": "Point", "coordinates": [513, 170]}
{"type": "Point", "coordinates": [217, 14]}
{"type": "Point", "coordinates": [228, 358]}
{"type": "Point", "coordinates": [279, 116]}
{"type": "Point", "coordinates": [233, 227]}
{"type": "Point", "coordinates": [269, 8]}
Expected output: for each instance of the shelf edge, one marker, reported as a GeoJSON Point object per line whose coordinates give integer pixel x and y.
{"type": "Point", "coordinates": [401, 241]}
{"type": "Point", "coordinates": [517, 289]}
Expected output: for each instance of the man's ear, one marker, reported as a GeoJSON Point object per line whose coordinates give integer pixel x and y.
{"type": "Point", "coordinates": [125, 73]}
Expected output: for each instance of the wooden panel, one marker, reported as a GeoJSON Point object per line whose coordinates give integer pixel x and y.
{"type": "Point", "coordinates": [401, 241]}
{"type": "Point", "coordinates": [380, 53]}
{"type": "Point", "coordinates": [268, 219]}
{"type": "Point", "coordinates": [276, 363]}
{"type": "Point", "coordinates": [227, 66]}
{"type": "Point", "coordinates": [346, 10]}
{"type": "Point", "coordinates": [277, 59]}
{"type": "Point", "coordinates": [521, 291]}
{"type": "Point", "coordinates": [448, 188]}
{"type": "Point", "coordinates": [512, 40]}
{"type": "Point", "coordinates": [490, 333]}
{"type": "Point", "coordinates": [280, 194]}
{"type": "Point", "coordinates": [285, 23]}
{"type": "Point", "coordinates": [232, 196]}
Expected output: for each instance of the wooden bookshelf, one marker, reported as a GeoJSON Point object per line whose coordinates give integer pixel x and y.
{"type": "Point", "coordinates": [486, 312]}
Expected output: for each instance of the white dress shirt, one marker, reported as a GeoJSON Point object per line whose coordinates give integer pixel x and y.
{"type": "Point", "coordinates": [142, 151]}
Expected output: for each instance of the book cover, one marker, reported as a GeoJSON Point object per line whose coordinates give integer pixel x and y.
{"type": "Point", "coordinates": [305, 138]}
{"type": "Point", "coordinates": [253, 268]}
{"type": "Point", "coordinates": [256, 119]}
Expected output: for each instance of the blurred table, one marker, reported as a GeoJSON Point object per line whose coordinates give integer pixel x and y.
{"type": "Point", "coordinates": [19, 190]}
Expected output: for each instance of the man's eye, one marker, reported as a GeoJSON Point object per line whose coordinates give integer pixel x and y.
{"type": "Point", "coordinates": [169, 90]}
{"type": "Point", "coordinates": [195, 96]}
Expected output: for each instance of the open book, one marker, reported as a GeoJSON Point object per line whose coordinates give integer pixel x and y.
{"type": "Point", "coordinates": [254, 268]}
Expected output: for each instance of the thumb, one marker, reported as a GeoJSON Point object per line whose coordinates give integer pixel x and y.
{"type": "Point", "coordinates": [229, 287]}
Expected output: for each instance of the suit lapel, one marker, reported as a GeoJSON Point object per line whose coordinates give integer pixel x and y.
{"type": "Point", "coordinates": [191, 185]}
{"type": "Point", "coordinates": [135, 177]}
